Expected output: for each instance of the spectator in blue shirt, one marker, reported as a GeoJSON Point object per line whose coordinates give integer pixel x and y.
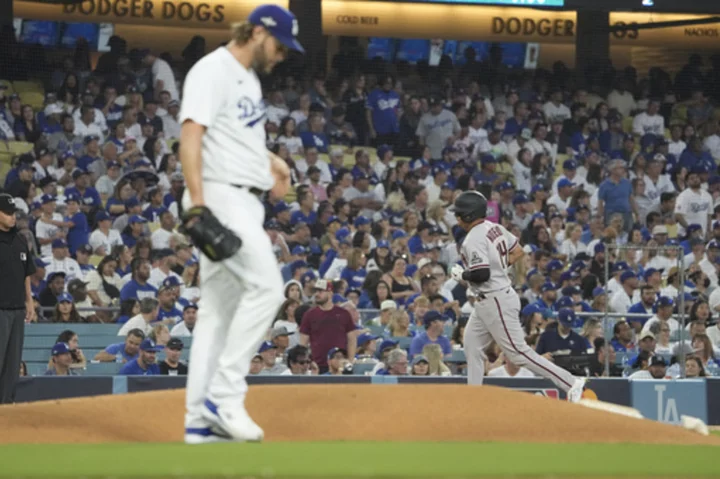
{"type": "Point", "coordinates": [548, 295]}
{"type": "Point", "coordinates": [487, 170]}
{"type": "Point", "coordinates": [89, 197]}
{"type": "Point", "coordinates": [138, 286]}
{"type": "Point", "coordinates": [615, 195]}
{"type": "Point", "coordinates": [515, 125]}
{"type": "Point", "coordinates": [562, 340]}
{"type": "Point", "coordinates": [434, 323]}
{"type": "Point", "coordinates": [125, 351]}
{"type": "Point", "coordinates": [622, 337]}
{"type": "Point", "coordinates": [134, 231]}
{"type": "Point", "coordinates": [168, 313]}
{"type": "Point", "coordinates": [306, 213]}
{"type": "Point", "coordinates": [145, 364]}
{"type": "Point", "coordinates": [382, 106]}
{"type": "Point", "coordinates": [648, 297]}
{"type": "Point", "coordinates": [92, 152]}
{"type": "Point", "coordinates": [79, 231]}
{"type": "Point", "coordinates": [315, 137]}
{"type": "Point", "coordinates": [354, 273]}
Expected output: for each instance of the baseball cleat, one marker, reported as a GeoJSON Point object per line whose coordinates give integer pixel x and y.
{"type": "Point", "coordinates": [203, 435]}
{"type": "Point", "coordinates": [576, 391]}
{"type": "Point", "coordinates": [236, 425]}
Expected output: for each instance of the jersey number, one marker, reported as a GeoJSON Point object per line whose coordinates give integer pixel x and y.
{"type": "Point", "coordinates": [503, 253]}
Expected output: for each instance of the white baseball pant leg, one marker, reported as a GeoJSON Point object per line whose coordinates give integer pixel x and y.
{"type": "Point", "coordinates": [476, 339]}
{"type": "Point", "coordinates": [500, 311]}
{"type": "Point", "coordinates": [239, 299]}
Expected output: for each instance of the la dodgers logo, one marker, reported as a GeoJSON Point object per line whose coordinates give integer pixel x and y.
{"type": "Point", "coordinates": [250, 112]}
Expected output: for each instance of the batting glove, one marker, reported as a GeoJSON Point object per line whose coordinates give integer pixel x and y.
{"type": "Point", "coordinates": [456, 272]}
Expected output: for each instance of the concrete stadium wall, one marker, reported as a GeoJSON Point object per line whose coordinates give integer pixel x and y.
{"type": "Point", "coordinates": [664, 401]}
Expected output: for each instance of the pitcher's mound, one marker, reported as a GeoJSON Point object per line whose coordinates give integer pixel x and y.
{"type": "Point", "coordinates": [342, 412]}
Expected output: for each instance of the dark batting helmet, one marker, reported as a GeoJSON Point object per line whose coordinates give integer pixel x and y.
{"type": "Point", "coordinates": [470, 206]}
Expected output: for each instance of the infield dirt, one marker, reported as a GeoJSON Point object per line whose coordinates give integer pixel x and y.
{"type": "Point", "coordinates": [343, 413]}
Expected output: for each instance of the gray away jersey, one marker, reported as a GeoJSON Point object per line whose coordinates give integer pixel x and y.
{"type": "Point", "coordinates": [488, 245]}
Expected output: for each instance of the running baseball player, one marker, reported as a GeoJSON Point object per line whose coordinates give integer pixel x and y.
{"type": "Point", "coordinates": [227, 169]}
{"type": "Point", "coordinates": [487, 252]}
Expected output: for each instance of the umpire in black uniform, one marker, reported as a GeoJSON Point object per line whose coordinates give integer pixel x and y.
{"type": "Point", "coordinates": [16, 304]}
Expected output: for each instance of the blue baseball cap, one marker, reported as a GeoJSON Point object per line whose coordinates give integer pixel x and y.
{"type": "Point", "coordinates": [280, 207]}
{"type": "Point", "coordinates": [64, 298]}
{"type": "Point", "coordinates": [333, 219]}
{"type": "Point", "coordinates": [190, 306]}
{"type": "Point", "coordinates": [599, 247]}
{"type": "Point", "coordinates": [281, 24]}
{"type": "Point", "coordinates": [61, 348]}
{"type": "Point", "coordinates": [170, 281]}
{"type": "Point", "coordinates": [137, 219]}
{"type": "Point", "coordinates": [266, 345]}
{"type": "Point", "coordinates": [102, 216]}
{"type": "Point", "coordinates": [58, 243]}
{"type": "Point", "coordinates": [489, 159]}
{"type": "Point", "coordinates": [547, 287]}
{"type": "Point", "coordinates": [627, 275]}
{"type": "Point", "coordinates": [665, 301]}
{"type": "Point", "coordinates": [565, 302]}
{"type": "Point", "coordinates": [336, 350]}
{"type": "Point", "coordinates": [148, 345]}
{"type": "Point", "coordinates": [554, 265]}
{"type": "Point", "coordinates": [571, 291]}
{"type": "Point", "coordinates": [620, 266]}
{"type": "Point", "coordinates": [598, 291]}
{"type": "Point", "coordinates": [132, 202]}
{"type": "Point", "coordinates": [431, 316]}
{"type": "Point", "coordinates": [299, 250]}
{"type": "Point", "coordinates": [45, 199]}
{"type": "Point", "coordinates": [364, 338]}
{"type": "Point", "coordinates": [307, 276]}
{"type": "Point", "coordinates": [191, 262]}
{"type": "Point", "coordinates": [530, 309]}
{"type": "Point", "coordinates": [570, 165]}
{"type": "Point", "coordinates": [649, 272]}
{"type": "Point", "coordinates": [69, 197]}
{"type": "Point", "coordinates": [537, 216]}
{"type": "Point", "coordinates": [505, 186]}
{"type": "Point", "coordinates": [382, 150]}
{"type": "Point", "coordinates": [361, 220]}
{"type": "Point", "coordinates": [78, 173]}
{"type": "Point", "coordinates": [566, 316]}
{"type": "Point", "coordinates": [39, 263]}
{"type": "Point", "coordinates": [398, 234]}
{"type": "Point", "coordinates": [342, 234]}
{"type": "Point", "coordinates": [565, 182]}
{"type": "Point", "coordinates": [383, 244]}
{"type": "Point", "coordinates": [387, 343]}
{"type": "Point", "coordinates": [537, 187]}
{"type": "Point", "coordinates": [113, 164]}
{"type": "Point", "coordinates": [520, 198]}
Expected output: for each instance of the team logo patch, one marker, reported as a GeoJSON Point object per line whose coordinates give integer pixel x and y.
{"type": "Point", "coordinates": [475, 259]}
{"type": "Point", "coordinates": [23, 257]}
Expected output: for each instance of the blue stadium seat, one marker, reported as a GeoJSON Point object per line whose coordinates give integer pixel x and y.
{"type": "Point", "coordinates": [36, 368]}
{"type": "Point", "coordinates": [362, 369]}
{"type": "Point", "coordinates": [457, 356]}
{"type": "Point", "coordinates": [36, 355]}
{"type": "Point", "coordinates": [102, 369]}
{"type": "Point", "coordinates": [86, 342]}
{"type": "Point", "coordinates": [376, 330]}
{"type": "Point", "coordinates": [81, 329]}
{"type": "Point", "coordinates": [403, 342]}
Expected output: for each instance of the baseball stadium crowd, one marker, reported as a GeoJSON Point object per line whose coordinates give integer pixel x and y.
{"type": "Point", "coordinates": [573, 165]}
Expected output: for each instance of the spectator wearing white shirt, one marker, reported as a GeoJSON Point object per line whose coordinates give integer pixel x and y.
{"type": "Point", "coordinates": [712, 139]}
{"type": "Point", "coordinates": [622, 299]}
{"type": "Point", "coordinates": [555, 109]}
{"type": "Point", "coordinates": [663, 315]}
{"type": "Point", "coordinates": [572, 246]}
{"type": "Point", "coordinates": [130, 121]}
{"type": "Point", "coordinates": [650, 121]}
{"type": "Point", "coordinates": [60, 262]}
{"type": "Point", "coordinates": [163, 78]}
{"type": "Point", "coordinates": [563, 196]}
{"type": "Point", "coordinates": [171, 125]}
{"type": "Point", "coordinates": [288, 136]}
{"type": "Point", "coordinates": [98, 118]}
{"type": "Point", "coordinates": [312, 159]}
{"type": "Point", "coordinates": [49, 225]}
{"type": "Point", "coordinates": [538, 143]}
{"type": "Point", "coordinates": [276, 111]}
{"type": "Point", "coordinates": [694, 205]}
{"type": "Point", "coordinates": [106, 184]}
{"type": "Point", "coordinates": [510, 370]}
{"type": "Point", "coordinates": [165, 261]}
{"type": "Point", "coordinates": [185, 328]}
{"type": "Point", "coordinates": [86, 126]}
{"type": "Point", "coordinates": [570, 172]}
{"type": "Point", "coordinates": [149, 308]}
{"type": "Point", "coordinates": [657, 183]}
{"type": "Point", "coordinates": [104, 238]}
{"type": "Point", "coordinates": [621, 99]}
{"type": "Point", "coordinates": [161, 237]}
{"type": "Point", "coordinates": [676, 145]}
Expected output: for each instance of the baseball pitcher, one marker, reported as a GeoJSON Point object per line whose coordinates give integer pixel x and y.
{"type": "Point", "coordinates": [487, 252]}
{"type": "Point", "coordinates": [227, 169]}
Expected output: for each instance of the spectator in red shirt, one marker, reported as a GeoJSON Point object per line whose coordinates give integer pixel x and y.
{"type": "Point", "coordinates": [327, 326]}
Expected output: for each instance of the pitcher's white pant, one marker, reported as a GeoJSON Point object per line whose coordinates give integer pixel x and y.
{"type": "Point", "coordinates": [496, 317]}
{"type": "Point", "coordinates": [239, 298]}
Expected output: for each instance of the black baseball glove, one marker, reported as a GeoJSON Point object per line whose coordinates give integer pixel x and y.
{"type": "Point", "coordinates": [215, 240]}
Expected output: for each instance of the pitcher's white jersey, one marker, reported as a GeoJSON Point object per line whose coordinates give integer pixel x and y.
{"type": "Point", "coordinates": [226, 98]}
{"type": "Point", "coordinates": [488, 245]}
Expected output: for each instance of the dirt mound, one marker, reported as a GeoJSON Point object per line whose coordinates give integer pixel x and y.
{"type": "Point", "coordinates": [343, 412]}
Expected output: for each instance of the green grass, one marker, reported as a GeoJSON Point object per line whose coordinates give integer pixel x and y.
{"type": "Point", "coordinates": [357, 460]}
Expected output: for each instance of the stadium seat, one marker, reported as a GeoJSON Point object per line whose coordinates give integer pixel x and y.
{"type": "Point", "coordinates": [81, 329]}
{"type": "Point", "coordinates": [36, 368]}
{"type": "Point", "coordinates": [457, 356]}
{"type": "Point", "coordinates": [36, 355]}
{"type": "Point", "coordinates": [403, 342]}
{"type": "Point", "coordinates": [95, 260]}
{"type": "Point", "coordinates": [363, 369]}
{"type": "Point", "coordinates": [19, 147]}
{"type": "Point", "coordinates": [8, 84]}
{"type": "Point", "coordinates": [21, 87]}
{"type": "Point", "coordinates": [376, 330]}
{"type": "Point", "coordinates": [34, 98]}
{"type": "Point", "coordinates": [102, 369]}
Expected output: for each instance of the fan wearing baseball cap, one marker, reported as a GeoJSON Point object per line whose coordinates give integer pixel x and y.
{"type": "Point", "coordinates": [145, 364]}
{"type": "Point", "coordinates": [16, 303]}
{"type": "Point", "coordinates": [61, 361]}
